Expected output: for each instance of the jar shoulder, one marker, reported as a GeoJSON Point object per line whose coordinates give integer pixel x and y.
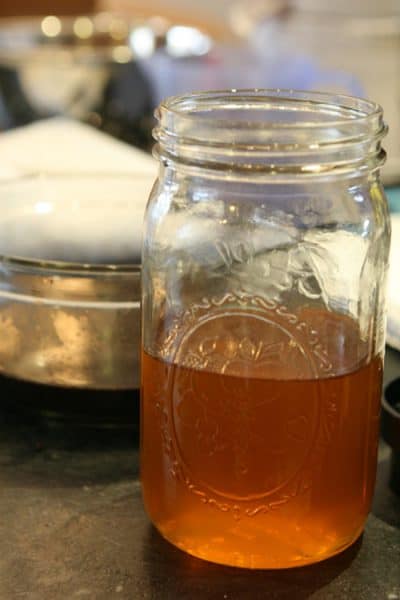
{"type": "Point", "coordinates": [327, 204]}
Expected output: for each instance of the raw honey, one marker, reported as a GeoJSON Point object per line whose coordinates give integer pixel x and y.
{"type": "Point", "coordinates": [252, 464]}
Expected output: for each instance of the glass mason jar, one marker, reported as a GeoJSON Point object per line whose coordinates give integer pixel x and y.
{"type": "Point", "coordinates": [265, 256]}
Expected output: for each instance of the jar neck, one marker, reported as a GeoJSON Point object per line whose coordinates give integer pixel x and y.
{"type": "Point", "coordinates": [270, 134]}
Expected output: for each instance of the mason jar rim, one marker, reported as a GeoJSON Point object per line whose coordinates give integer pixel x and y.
{"type": "Point", "coordinates": [363, 110]}
{"type": "Point", "coordinates": [266, 132]}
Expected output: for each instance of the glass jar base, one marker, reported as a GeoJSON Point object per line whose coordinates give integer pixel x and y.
{"type": "Point", "coordinates": [210, 552]}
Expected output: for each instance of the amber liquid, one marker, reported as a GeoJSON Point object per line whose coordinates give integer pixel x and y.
{"type": "Point", "coordinates": [258, 471]}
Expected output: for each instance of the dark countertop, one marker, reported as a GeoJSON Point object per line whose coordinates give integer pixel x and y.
{"type": "Point", "coordinates": [72, 525]}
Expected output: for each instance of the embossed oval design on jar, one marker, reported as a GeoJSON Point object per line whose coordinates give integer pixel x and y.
{"type": "Point", "coordinates": [235, 405]}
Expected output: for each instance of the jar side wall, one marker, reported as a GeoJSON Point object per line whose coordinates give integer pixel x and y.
{"type": "Point", "coordinates": [304, 249]}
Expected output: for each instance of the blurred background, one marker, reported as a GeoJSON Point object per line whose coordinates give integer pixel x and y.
{"type": "Point", "coordinates": [110, 62]}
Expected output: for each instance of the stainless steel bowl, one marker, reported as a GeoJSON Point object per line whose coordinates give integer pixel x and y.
{"type": "Point", "coordinates": [60, 65]}
{"type": "Point", "coordinates": [70, 280]}
{"type": "Point", "coordinates": [85, 66]}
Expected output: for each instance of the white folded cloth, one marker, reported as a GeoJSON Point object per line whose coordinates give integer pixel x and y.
{"type": "Point", "coordinates": [86, 198]}
{"type": "Point", "coordinates": [62, 145]}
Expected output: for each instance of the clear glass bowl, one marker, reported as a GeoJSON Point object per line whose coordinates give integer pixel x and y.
{"type": "Point", "coordinates": [70, 279]}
